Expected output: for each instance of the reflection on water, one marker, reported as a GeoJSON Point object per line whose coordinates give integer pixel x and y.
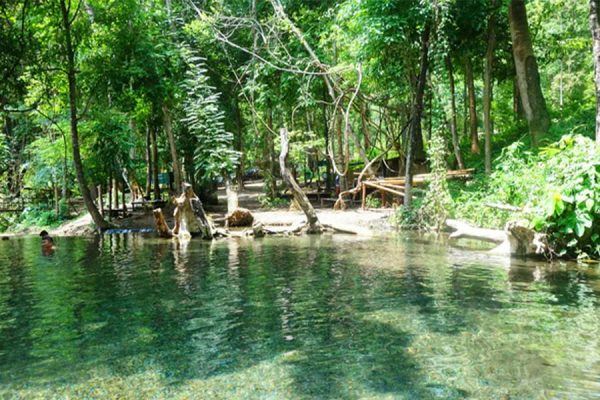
{"type": "Point", "coordinates": [130, 316]}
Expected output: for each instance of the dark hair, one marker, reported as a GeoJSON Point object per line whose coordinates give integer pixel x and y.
{"type": "Point", "coordinates": [43, 233]}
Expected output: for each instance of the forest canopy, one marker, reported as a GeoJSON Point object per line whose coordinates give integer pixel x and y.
{"type": "Point", "coordinates": [143, 95]}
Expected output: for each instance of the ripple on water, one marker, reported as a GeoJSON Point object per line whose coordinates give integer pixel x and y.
{"type": "Point", "coordinates": [126, 316]}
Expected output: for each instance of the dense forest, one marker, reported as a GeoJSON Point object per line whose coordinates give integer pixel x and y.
{"type": "Point", "coordinates": [138, 96]}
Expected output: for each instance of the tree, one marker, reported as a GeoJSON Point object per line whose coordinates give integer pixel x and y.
{"type": "Point", "coordinates": [528, 76]}
{"type": "Point", "coordinates": [67, 22]}
{"type": "Point", "coordinates": [488, 86]}
{"type": "Point", "coordinates": [595, 28]}
{"type": "Point", "coordinates": [416, 113]}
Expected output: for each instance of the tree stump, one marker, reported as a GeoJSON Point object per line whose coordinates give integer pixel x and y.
{"type": "Point", "coordinates": [190, 218]}
{"type": "Point", "coordinates": [240, 217]}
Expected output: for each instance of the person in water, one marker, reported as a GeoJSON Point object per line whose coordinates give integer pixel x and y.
{"type": "Point", "coordinates": [47, 243]}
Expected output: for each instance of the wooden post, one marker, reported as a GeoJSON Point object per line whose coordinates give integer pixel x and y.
{"type": "Point", "coordinates": [109, 190]}
{"type": "Point", "coordinates": [364, 195]}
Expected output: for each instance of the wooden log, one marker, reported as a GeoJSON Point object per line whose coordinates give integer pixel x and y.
{"type": "Point", "coordinates": [464, 230]}
{"type": "Point", "coordinates": [503, 207]}
{"type": "Point", "coordinates": [383, 188]}
{"type": "Point", "coordinates": [314, 226]}
{"type": "Point", "coordinates": [517, 239]}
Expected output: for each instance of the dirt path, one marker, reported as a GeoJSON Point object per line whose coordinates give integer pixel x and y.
{"type": "Point", "coordinates": [366, 222]}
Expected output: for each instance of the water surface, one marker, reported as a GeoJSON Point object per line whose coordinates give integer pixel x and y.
{"type": "Point", "coordinates": [130, 316]}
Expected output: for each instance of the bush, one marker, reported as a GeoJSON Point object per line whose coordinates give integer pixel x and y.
{"type": "Point", "coordinates": [272, 202]}
{"type": "Point", "coordinates": [557, 190]}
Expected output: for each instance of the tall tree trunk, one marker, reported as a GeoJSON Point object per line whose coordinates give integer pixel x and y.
{"type": "Point", "coordinates": [465, 113]}
{"type": "Point", "coordinates": [268, 155]}
{"type": "Point", "coordinates": [595, 28]}
{"type": "Point", "coordinates": [453, 128]}
{"type": "Point", "coordinates": [417, 112]}
{"type": "Point", "coordinates": [148, 161]}
{"type": "Point", "coordinates": [173, 148]}
{"type": "Point", "coordinates": [528, 76]}
{"type": "Point", "coordinates": [472, 106]}
{"type": "Point", "coordinates": [155, 169]}
{"type": "Point", "coordinates": [488, 88]}
{"type": "Point", "coordinates": [340, 154]}
{"type": "Point", "coordinates": [72, 79]}
{"type": "Point", "coordinates": [239, 145]}
{"type": "Point", "coordinates": [328, 174]}
{"type": "Point", "coordinates": [65, 182]}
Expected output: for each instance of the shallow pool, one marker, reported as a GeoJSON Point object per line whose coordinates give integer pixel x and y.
{"type": "Point", "coordinates": [131, 316]}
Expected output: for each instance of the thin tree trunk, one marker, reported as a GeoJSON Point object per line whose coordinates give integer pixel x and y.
{"type": "Point", "coordinates": [313, 221]}
{"type": "Point", "coordinates": [173, 147]}
{"type": "Point", "coordinates": [528, 76]}
{"type": "Point", "coordinates": [453, 130]}
{"type": "Point", "coordinates": [72, 79]}
{"type": "Point", "coordinates": [268, 155]}
{"type": "Point", "coordinates": [417, 113]}
{"type": "Point", "coordinates": [116, 193]}
{"type": "Point", "coordinates": [148, 161]}
{"type": "Point", "coordinates": [65, 182]}
{"type": "Point", "coordinates": [488, 88]}
{"type": "Point", "coordinates": [155, 182]}
{"type": "Point", "coordinates": [239, 144]}
{"type": "Point", "coordinates": [595, 28]}
{"type": "Point", "coordinates": [109, 189]}
{"type": "Point", "coordinates": [364, 113]}
{"type": "Point", "coordinates": [328, 173]}
{"type": "Point", "coordinates": [465, 114]}
{"type": "Point", "coordinates": [472, 106]}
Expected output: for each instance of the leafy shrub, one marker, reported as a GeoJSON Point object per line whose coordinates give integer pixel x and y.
{"type": "Point", "coordinates": [39, 215]}
{"type": "Point", "coordinates": [557, 190]}
{"type": "Point", "coordinates": [430, 212]}
{"type": "Point", "coordinates": [372, 201]}
{"type": "Point", "coordinates": [272, 202]}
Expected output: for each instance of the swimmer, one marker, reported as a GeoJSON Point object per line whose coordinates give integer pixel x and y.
{"type": "Point", "coordinates": [47, 243]}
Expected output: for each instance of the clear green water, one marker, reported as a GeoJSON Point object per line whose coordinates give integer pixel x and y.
{"type": "Point", "coordinates": [129, 316]}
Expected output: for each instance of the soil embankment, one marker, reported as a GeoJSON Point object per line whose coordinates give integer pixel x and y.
{"type": "Point", "coordinates": [361, 221]}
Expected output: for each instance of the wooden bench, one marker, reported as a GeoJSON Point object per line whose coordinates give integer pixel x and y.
{"type": "Point", "coordinates": [148, 203]}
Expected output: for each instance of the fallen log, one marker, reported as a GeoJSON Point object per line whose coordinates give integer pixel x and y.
{"type": "Point", "coordinates": [516, 239]}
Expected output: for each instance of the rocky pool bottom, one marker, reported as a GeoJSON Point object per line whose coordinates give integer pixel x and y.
{"type": "Point", "coordinates": [131, 316]}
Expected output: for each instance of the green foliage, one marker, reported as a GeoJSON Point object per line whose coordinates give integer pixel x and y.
{"type": "Point", "coordinates": [373, 201]}
{"type": "Point", "coordinates": [409, 218]}
{"type": "Point", "coordinates": [557, 189]}
{"type": "Point", "coordinates": [214, 152]}
{"type": "Point", "coordinates": [437, 201]}
{"type": "Point", "coordinates": [272, 202]}
{"type": "Point", "coordinates": [45, 170]}
{"type": "Point", "coordinates": [42, 215]}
